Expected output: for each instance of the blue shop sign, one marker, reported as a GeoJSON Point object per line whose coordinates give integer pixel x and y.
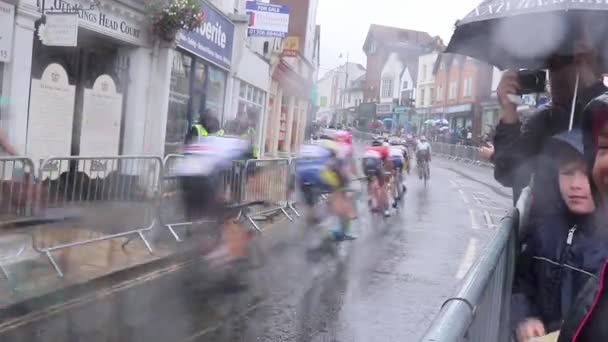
{"type": "Point", "coordinates": [212, 40]}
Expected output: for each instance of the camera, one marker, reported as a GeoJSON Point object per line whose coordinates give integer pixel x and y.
{"type": "Point", "coordinates": [532, 81]}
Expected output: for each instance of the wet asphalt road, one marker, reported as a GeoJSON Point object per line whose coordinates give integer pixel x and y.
{"type": "Point", "coordinates": [388, 287]}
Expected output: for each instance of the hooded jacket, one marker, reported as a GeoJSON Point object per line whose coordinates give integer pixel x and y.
{"type": "Point", "coordinates": [558, 258]}
{"type": "Point", "coordinates": [586, 321]}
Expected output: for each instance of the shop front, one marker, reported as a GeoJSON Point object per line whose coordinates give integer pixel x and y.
{"type": "Point", "coordinates": [459, 116]}
{"type": "Point", "coordinates": [85, 98]}
{"type": "Point", "coordinates": [288, 108]}
{"type": "Point", "coordinates": [489, 118]}
{"type": "Point", "coordinates": [199, 72]}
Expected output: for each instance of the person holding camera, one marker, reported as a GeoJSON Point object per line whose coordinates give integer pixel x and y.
{"type": "Point", "coordinates": [517, 145]}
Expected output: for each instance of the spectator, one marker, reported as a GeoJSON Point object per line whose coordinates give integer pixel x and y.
{"type": "Point", "coordinates": [518, 145]}
{"type": "Point", "coordinates": [563, 251]}
{"type": "Point", "coordinates": [586, 322]}
{"type": "Point", "coordinates": [6, 146]}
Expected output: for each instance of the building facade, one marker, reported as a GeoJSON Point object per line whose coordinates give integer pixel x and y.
{"type": "Point", "coordinates": [334, 90]}
{"type": "Point", "coordinates": [462, 84]}
{"type": "Point", "coordinates": [117, 90]}
{"type": "Point", "coordinates": [294, 66]}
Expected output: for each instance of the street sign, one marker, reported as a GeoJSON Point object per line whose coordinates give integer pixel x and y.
{"type": "Point", "coordinates": [291, 46]}
{"type": "Point", "coordinates": [267, 20]}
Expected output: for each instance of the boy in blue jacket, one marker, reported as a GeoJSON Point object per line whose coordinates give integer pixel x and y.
{"type": "Point", "coordinates": [560, 254]}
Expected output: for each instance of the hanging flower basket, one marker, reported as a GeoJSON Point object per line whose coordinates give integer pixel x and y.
{"type": "Point", "coordinates": [168, 17]}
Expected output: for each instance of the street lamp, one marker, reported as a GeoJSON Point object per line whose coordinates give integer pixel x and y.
{"type": "Point", "coordinates": [343, 97]}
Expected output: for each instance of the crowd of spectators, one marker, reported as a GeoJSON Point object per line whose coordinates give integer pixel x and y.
{"type": "Point", "coordinates": [563, 250]}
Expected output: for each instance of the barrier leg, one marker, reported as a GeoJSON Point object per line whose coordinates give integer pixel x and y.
{"type": "Point", "coordinates": [141, 235]}
{"type": "Point", "coordinates": [177, 238]}
{"type": "Point", "coordinates": [255, 225]}
{"type": "Point", "coordinates": [294, 209]}
{"type": "Point", "coordinates": [4, 271]}
{"type": "Point", "coordinates": [286, 214]}
{"type": "Point", "coordinates": [52, 260]}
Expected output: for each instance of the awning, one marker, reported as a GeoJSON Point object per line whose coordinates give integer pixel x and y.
{"type": "Point", "coordinates": [293, 84]}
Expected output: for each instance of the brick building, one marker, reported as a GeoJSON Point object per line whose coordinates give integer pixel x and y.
{"type": "Point", "coordinates": [380, 42]}
{"type": "Point", "coordinates": [461, 85]}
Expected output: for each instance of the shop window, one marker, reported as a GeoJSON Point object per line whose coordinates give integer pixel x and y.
{"type": "Point", "coordinates": [179, 95]}
{"type": "Point", "coordinates": [215, 91]}
{"type": "Point", "coordinates": [198, 92]}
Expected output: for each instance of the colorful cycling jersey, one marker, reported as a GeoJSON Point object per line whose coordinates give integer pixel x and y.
{"type": "Point", "coordinates": [211, 154]}
{"type": "Point", "coordinates": [396, 152]}
{"type": "Point", "coordinates": [381, 150]}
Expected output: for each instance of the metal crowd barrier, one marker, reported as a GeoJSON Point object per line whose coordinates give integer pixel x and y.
{"type": "Point", "coordinates": [274, 184]}
{"type": "Point", "coordinates": [110, 192]}
{"type": "Point", "coordinates": [17, 194]}
{"type": "Point", "coordinates": [460, 153]}
{"type": "Point", "coordinates": [170, 213]}
{"type": "Point", "coordinates": [480, 309]}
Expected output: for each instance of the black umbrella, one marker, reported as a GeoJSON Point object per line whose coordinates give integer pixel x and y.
{"type": "Point", "coordinates": [524, 33]}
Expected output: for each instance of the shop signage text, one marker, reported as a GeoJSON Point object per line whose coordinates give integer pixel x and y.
{"type": "Point", "coordinates": [59, 30]}
{"type": "Point", "coordinates": [291, 46]}
{"type": "Point", "coordinates": [7, 17]}
{"type": "Point", "coordinates": [212, 40]}
{"type": "Point", "coordinates": [93, 18]}
{"type": "Point", "coordinates": [267, 20]}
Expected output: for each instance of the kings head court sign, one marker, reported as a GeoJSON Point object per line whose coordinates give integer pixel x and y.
{"type": "Point", "coordinates": [212, 40]}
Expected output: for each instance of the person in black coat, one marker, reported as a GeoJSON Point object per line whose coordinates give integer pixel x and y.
{"type": "Point", "coordinates": [563, 251]}
{"type": "Point", "coordinates": [518, 144]}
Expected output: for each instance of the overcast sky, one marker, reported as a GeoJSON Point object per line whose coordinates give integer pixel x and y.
{"type": "Point", "coordinates": [344, 23]}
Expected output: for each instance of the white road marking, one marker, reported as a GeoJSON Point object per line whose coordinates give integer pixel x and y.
{"type": "Point", "coordinates": [474, 223]}
{"type": "Point", "coordinates": [489, 221]}
{"type": "Point", "coordinates": [469, 258]}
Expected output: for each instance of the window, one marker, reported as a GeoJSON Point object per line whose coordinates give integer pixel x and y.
{"type": "Point", "coordinates": [372, 48]}
{"type": "Point", "coordinates": [453, 90]}
{"type": "Point", "coordinates": [424, 72]}
{"type": "Point", "coordinates": [250, 110]}
{"type": "Point", "coordinates": [441, 66]}
{"type": "Point", "coordinates": [439, 95]}
{"type": "Point", "coordinates": [468, 87]}
{"type": "Point", "coordinates": [387, 88]}
{"type": "Point", "coordinates": [432, 95]}
{"type": "Point", "coordinates": [349, 98]}
{"type": "Point", "coordinates": [405, 85]}
{"type": "Point", "coordinates": [422, 96]}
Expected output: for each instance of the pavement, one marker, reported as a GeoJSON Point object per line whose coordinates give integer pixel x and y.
{"type": "Point", "coordinates": [386, 286]}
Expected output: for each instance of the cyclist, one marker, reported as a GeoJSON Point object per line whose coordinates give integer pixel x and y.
{"type": "Point", "coordinates": [423, 155]}
{"type": "Point", "coordinates": [322, 169]}
{"type": "Point", "coordinates": [375, 164]}
{"type": "Point", "coordinates": [206, 159]}
{"type": "Point", "coordinates": [396, 154]}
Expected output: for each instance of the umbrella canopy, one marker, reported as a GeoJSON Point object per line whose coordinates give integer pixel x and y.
{"type": "Point", "coordinates": [523, 34]}
{"type": "Point", "coordinates": [388, 120]}
{"type": "Point", "coordinates": [429, 122]}
{"type": "Point", "coordinates": [442, 122]}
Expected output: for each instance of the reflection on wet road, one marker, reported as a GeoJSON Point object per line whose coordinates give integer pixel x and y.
{"type": "Point", "coordinates": [385, 286]}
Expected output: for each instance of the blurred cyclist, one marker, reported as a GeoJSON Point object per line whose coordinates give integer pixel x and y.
{"type": "Point", "coordinates": [396, 154]}
{"type": "Point", "coordinates": [375, 166]}
{"type": "Point", "coordinates": [321, 169]}
{"type": "Point", "coordinates": [423, 154]}
{"type": "Point", "coordinates": [201, 174]}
